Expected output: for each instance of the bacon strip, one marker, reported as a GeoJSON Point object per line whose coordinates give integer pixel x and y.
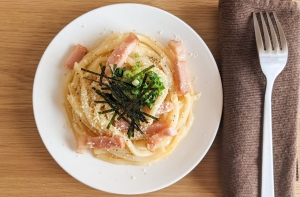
{"type": "Point", "coordinates": [120, 53]}
{"type": "Point", "coordinates": [101, 142]}
{"type": "Point", "coordinates": [155, 127]}
{"type": "Point", "coordinates": [76, 56]}
{"type": "Point", "coordinates": [178, 49]}
{"type": "Point", "coordinates": [180, 67]}
{"type": "Point", "coordinates": [181, 77]}
{"type": "Point", "coordinates": [165, 107]}
{"type": "Point", "coordinates": [157, 138]}
{"type": "Point", "coordinates": [121, 124]}
{"type": "Point", "coordinates": [152, 129]}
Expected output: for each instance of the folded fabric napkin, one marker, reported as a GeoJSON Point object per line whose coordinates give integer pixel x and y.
{"type": "Point", "coordinates": [244, 89]}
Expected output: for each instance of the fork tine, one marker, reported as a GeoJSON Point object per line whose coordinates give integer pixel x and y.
{"type": "Point", "coordinates": [281, 34]}
{"type": "Point", "coordinates": [273, 34]}
{"type": "Point", "coordinates": [259, 42]}
{"type": "Point", "coordinates": [266, 34]}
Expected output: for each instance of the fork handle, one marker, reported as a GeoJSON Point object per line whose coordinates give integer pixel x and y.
{"type": "Point", "coordinates": [267, 183]}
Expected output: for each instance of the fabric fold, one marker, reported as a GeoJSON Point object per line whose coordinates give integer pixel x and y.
{"type": "Point", "coordinates": [244, 89]}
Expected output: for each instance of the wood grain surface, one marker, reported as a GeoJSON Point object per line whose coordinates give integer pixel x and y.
{"type": "Point", "coordinates": [26, 29]}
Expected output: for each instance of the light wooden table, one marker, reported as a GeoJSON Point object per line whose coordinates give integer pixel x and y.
{"type": "Point", "coordinates": [26, 29]}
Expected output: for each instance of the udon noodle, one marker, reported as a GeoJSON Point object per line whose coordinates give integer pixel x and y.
{"type": "Point", "coordinates": [85, 106]}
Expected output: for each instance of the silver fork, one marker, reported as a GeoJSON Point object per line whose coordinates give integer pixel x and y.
{"type": "Point", "coordinates": [272, 62]}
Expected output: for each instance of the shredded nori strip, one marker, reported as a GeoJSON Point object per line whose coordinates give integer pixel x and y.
{"type": "Point", "coordinates": [118, 95]}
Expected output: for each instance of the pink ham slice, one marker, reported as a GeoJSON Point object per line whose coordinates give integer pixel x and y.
{"type": "Point", "coordinates": [155, 127]}
{"type": "Point", "coordinates": [152, 129]}
{"type": "Point", "coordinates": [120, 53]}
{"type": "Point", "coordinates": [121, 124]}
{"type": "Point", "coordinates": [181, 77]}
{"type": "Point", "coordinates": [155, 139]}
{"type": "Point", "coordinates": [76, 56]}
{"type": "Point", "coordinates": [178, 50]}
{"type": "Point", "coordinates": [101, 142]}
{"type": "Point", "coordinates": [180, 67]}
{"type": "Point", "coordinates": [165, 107]}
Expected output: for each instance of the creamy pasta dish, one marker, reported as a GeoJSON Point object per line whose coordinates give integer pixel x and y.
{"type": "Point", "coordinates": [130, 99]}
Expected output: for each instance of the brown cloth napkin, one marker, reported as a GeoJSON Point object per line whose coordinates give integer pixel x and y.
{"type": "Point", "coordinates": [244, 88]}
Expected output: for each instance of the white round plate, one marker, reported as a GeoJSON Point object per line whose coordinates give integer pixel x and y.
{"type": "Point", "coordinates": [89, 30]}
